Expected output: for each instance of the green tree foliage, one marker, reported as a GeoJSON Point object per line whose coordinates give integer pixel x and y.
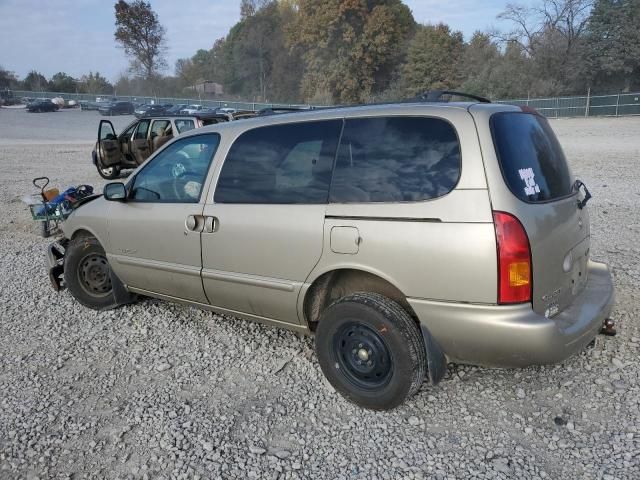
{"type": "Point", "coordinates": [433, 59]}
{"type": "Point", "coordinates": [7, 79]}
{"type": "Point", "coordinates": [346, 51]}
{"type": "Point", "coordinates": [140, 34]}
{"type": "Point", "coordinates": [252, 61]}
{"type": "Point", "coordinates": [350, 46]}
{"type": "Point", "coordinates": [35, 82]}
{"type": "Point", "coordinates": [614, 43]}
{"type": "Point", "coordinates": [61, 82]}
{"type": "Point", "coordinates": [95, 83]}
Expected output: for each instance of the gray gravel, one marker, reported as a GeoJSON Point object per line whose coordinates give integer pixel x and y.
{"type": "Point", "coordinates": [156, 390]}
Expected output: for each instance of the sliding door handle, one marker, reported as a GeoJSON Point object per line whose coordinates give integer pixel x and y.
{"type": "Point", "coordinates": [211, 224]}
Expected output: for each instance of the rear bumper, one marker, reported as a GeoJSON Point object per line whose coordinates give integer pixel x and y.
{"type": "Point", "coordinates": [515, 335]}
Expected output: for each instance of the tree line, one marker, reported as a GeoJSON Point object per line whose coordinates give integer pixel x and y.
{"type": "Point", "coordinates": [91, 83]}
{"type": "Point", "coordinates": [345, 51]}
{"type": "Point", "coordinates": [352, 51]}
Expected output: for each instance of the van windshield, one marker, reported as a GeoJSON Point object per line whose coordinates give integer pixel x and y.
{"type": "Point", "coordinates": [531, 159]}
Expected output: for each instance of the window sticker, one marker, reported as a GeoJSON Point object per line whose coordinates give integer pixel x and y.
{"type": "Point", "coordinates": [531, 187]}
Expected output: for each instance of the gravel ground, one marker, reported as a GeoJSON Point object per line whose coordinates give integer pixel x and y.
{"type": "Point", "coordinates": [156, 390]}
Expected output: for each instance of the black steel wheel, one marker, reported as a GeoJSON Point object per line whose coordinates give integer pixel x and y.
{"type": "Point", "coordinates": [371, 350]}
{"type": "Point", "coordinates": [363, 355]}
{"type": "Point", "coordinates": [94, 275]}
{"type": "Point", "coordinates": [87, 273]}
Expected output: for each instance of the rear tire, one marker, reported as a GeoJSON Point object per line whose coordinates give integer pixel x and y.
{"type": "Point", "coordinates": [371, 351]}
{"type": "Point", "coordinates": [87, 273]}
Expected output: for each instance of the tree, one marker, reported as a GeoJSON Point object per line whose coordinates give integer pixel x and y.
{"type": "Point", "coordinates": [480, 60]}
{"type": "Point", "coordinates": [95, 83]}
{"type": "Point", "coordinates": [614, 43]}
{"type": "Point", "coordinates": [552, 33]}
{"type": "Point", "coordinates": [433, 59]}
{"type": "Point", "coordinates": [7, 79]}
{"type": "Point", "coordinates": [350, 46]}
{"type": "Point", "coordinates": [35, 82]}
{"type": "Point", "coordinates": [140, 34]}
{"type": "Point", "coordinates": [254, 61]}
{"type": "Point", "coordinates": [61, 82]}
{"type": "Point", "coordinates": [249, 8]}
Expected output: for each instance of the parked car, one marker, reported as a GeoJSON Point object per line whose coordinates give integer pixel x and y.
{"type": "Point", "coordinates": [113, 153]}
{"type": "Point", "coordinates": [116, 108]}
{"type": "Point", "coordinates": [149, 110]}
{"type": "Point", "coordinates": [42, 105]}
{"type": "Point", "coordinates": [191, 109]}
{"type": "Point", "coordinates": [404, 236]}
{"type": "Point", "coordinates": [95, 105]}
{"type": "Point", "coordinates": [175, 109]}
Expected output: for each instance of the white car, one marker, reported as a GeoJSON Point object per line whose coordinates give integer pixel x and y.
{"type": "Point", "coordinates": [191, 109]}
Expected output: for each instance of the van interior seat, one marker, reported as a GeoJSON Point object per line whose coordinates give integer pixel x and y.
{"type": "Point", "coordinates": [164, 135]}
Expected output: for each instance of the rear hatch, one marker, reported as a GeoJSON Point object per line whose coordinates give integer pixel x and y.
{"type": "Point", "coordinates": [533, 182]}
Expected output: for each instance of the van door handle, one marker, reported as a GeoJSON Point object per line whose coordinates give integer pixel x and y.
{"type": "Point", "coordinates": [210, 224]}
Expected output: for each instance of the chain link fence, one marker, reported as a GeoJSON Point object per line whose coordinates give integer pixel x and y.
{"type": "Point", "coordinates": [556, 107]}
{"type": "Point", "coordinates": [583, 106]}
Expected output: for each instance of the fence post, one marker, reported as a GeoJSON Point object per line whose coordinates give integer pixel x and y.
{"type": "Point", "coordinates": [586, 109]}
{"type": "Point", "coordinates": [617, 104]}
{"type": "Point", "coordinates": [557, 106]}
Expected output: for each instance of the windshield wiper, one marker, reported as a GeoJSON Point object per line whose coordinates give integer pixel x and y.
{"type": "Point", "coordinates": [577, 185]}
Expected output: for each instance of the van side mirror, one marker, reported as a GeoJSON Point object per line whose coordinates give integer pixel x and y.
{"type": "Point", "coordinates": [115, 191]}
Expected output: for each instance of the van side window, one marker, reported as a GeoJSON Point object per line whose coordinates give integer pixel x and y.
{"type": "Point", "coordinates": [288, 163]}
{"type": "Point", "coordinates": [395, 159]}
{"type": "Point", "coordinates": [184, 125]}
{"type": "Point", "coordinates": [177, 174]}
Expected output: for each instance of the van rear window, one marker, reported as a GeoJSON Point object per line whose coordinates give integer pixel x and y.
{"type": "Point", "coordinates": [531, 159]}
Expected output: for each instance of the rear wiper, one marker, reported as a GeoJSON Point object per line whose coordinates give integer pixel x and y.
{"type": "Point", "coordinates": [577, 185]}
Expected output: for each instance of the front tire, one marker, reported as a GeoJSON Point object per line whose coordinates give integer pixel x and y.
{"type": "Point", "coordinates": [108, 173]}
{"type": "Point", "coordinates": [87, 273]}
{"type": "Point", "coordinates": [371, 351]}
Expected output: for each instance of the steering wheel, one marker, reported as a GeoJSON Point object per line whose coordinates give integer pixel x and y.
{"type": "Point", "coordinates": [187, 186]}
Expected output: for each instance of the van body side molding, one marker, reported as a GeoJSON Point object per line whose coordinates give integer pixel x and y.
{"type": "Point", "coordinates": [385, 219]}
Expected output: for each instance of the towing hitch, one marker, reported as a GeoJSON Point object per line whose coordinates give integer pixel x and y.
{"type": "Point", "coordinates": [608, 328]}
{"type": "Point", "coordinates": [55, 263]}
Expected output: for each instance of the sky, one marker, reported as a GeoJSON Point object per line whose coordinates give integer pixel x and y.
{"type": "Point", "coordinates": [76, 36]}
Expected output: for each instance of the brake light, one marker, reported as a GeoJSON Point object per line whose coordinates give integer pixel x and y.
{"type": "Point", "coordinates": [514, 259]}
{"type": "Point", "coordinates": [526, 109]}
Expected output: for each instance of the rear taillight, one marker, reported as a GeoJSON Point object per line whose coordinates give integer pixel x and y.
{"type": "Point", "coordinates": [514, 259]}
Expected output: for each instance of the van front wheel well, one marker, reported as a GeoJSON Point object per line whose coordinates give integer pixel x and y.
{"type": "Point", "coordinates": [336, 284]}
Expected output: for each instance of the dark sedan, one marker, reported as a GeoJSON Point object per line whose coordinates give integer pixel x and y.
{"type": "Point", "coordinates": [116, 108]}
{"type": "Point", "coordinates": [42, 105]}
{"type": "Point", "coordinates": [149, 110]}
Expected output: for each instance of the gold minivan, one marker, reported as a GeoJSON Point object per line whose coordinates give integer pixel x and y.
{"type": "Point", "coordinates": [403, 236]}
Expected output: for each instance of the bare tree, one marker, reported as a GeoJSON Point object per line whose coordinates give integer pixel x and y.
{"type": "Point", "coordinates": [567, 18]}
{"type": "Point", "coordinates": [140, 33]}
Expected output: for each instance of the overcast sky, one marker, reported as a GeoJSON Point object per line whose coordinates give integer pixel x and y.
{"type": "Point", "coordinates": [76, 36]}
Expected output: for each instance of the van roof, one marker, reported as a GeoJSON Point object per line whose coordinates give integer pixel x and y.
{"type": "Point", "coordinates": [322, 113]}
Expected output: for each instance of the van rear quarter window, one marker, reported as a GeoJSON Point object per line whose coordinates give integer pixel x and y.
{"type": "Point", "coordinates": [532, 162]}
{"type": "Point", "coordinates": [396, 159]}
